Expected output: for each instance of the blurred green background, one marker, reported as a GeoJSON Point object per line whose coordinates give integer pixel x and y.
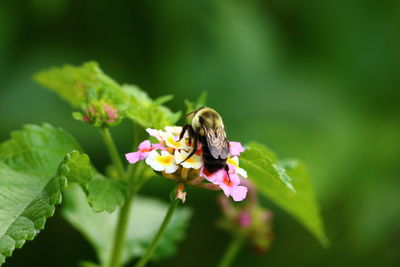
{"type": "Point", "coordinates": [316, 80]}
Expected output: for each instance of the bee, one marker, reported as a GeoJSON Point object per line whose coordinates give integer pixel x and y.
{"type": "Point", "coordinates": [207, 128]}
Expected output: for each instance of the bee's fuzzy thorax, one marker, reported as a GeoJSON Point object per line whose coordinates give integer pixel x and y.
{"type": "Point", "coordinates": [208, 117]}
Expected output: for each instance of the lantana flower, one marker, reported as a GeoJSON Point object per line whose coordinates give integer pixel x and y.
{"type": "Point", "coordinates": [169, 157]}
{"type": "Point", "coordinates": [164, 162]}
{"type": "Point", "coordinates": [144, 149]}
{"type": "Point", "coordinates": [229, 183]}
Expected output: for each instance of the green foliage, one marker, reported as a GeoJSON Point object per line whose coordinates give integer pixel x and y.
{"type": "Point", "coordinates": [76, 167]}
{"type": "Point", "coordinates": [29, 188]}
{"type": "Point", "coordinates": [98, 228]}
{"type": "Point", "coordinates": [77, 85]}
{"type": "Point", "coordinates": [287, 184]}
{"type": "Point", "coordinates": [88, 87]}
{"type": "Point", "coordinates": [103, 194]}
{"type": "Point", "coordinates": [106, 194]}
{"type": "Point", "coordinates": [147, 112]}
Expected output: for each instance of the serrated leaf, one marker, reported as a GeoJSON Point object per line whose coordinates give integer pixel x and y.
{"type": "Point", "coordinates": [147, 112]}
{"type": "Point", "coordinates": [103, 194]}
{"type": "Point", "coordinates": [98, 228]}
{"type": "Point", "coordinates": [287, 184]}
{"type": "Point", "coordinates": [76, 84]}
{"type": "Point", "coordinates": [106, 194]}
{"type": "Point", "coordinates": [77, 167]}
{"type": "Point", "coordinates": [29, 188]}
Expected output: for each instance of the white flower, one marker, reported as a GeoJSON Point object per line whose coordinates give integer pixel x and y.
{"type": "Point", "coordinates": [235, 162]}
{"type": "Point", "coordinates": [175, 130]}
{"type": "Point", "coordinates": [164, 162]}
{"type": "Point", "coordinates": [195, 161]}
{"type": "Point", "coordinates": [155, 133]}
{"type": "Point", "coordinates": [171, 141]}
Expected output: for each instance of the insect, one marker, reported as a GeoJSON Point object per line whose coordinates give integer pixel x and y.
{"type": "Point", "coordinates": [207, 128]}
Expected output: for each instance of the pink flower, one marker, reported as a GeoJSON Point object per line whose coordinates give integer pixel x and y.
{"type": "Point", "coordinates": [235, 148]}
{"type": "Point", "coordinates": [144, 149]}
{"type": "Point", "coordinates": [229, 184]}
{"type": "Point", "coordinates": [211, 177]}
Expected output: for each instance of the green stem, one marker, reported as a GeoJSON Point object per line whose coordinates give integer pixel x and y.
{"type": "Point", "coordinates": [112, 149]}
{"type": "Point", "coordinates": [120, 234]}
{"type": "Point", "coordinates": [142, 262]}
{"type": "Point", "coordinates": [124, 213]}
{"type": "Point", "coordinates": [231, 252]}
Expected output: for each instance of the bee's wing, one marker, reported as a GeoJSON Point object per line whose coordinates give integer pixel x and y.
{"type": "Point", "coordinates": [217, 142]}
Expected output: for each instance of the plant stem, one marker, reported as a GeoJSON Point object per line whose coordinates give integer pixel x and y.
{"type": "Point", "coordinates": [120, 234]}
{"type": "Point", "coordinates": [124, 212]}
{"type": "Point", "coordinates": [231, 252]}
{"type": "Point", "coordinates": [112, 149]}
{"type": "Point", "coordinates": [142, 262]}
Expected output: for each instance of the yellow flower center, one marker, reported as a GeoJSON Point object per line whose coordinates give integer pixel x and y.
{"type": "Point", "coordinates": [173, 142]}
{"type": "Point", "coordinates": [165, 160]}
{"type": "Point", "coordinates": [233, 162]}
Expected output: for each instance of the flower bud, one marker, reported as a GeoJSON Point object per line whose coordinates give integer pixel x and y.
{"type": "Point", "coordinates": [99, 113]}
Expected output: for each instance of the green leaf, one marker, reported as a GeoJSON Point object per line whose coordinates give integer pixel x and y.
{"type": "Point", "coordinates": [103, 194]}
{"type": "Point", "coordinates": [77, 167]}
{"type": "Point", "coordinates": [147, 112]}
{"type": "Point", "coordinates": [87, 86]}
{"type": "Point", "coordinates": [98, 228]}
{"type": "Point", "coordinates": [77, 84]}
{"type": "Point", "coordinates": [106, 194]}
{"type": "Point", "coordinates": [29, 188]}
{"type": "Point", "coordinates": [287, 184]}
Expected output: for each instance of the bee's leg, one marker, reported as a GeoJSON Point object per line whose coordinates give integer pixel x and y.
{"type": "Point", "coordinates": [192, 135]}
{"type": "Point", "coordinates": [195, 147]}
{"type": "Point", "coordinates": [227, 171]}
{"type": "Point", "coordinates": [186, 127]}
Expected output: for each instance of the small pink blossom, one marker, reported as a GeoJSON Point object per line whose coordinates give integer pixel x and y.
{"type": "Point", "coordinates": [230, 184]}
{"type": "Point", "coordinates": [235, 148]}
{"type": "Point", "coordinates": [211, 177]}
{"type": "Point", "coordinates": [144, 149]}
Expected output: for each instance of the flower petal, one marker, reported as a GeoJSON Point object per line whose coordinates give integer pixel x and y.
{"type": "Point", "coordinates": [241, 172]}
{"type": "Point", "coordinates": [158, 146]}
{"type": "Point", "coordinates": [175, 130]}
{"type": "Point", "coordinates": [144, 145]}
{"type": "Point", "coordinates": [171, 168]}
{"type": "Point", "coordinates": [195, 161]}
{"type": "Point", "coordinates": [155, 133]}
{"type": "Point", "coordinates": [239, 193]}
{"type": "Point", "coordinates": [133, 157]}
{"type": "Point", "coordinates": [235, 148]}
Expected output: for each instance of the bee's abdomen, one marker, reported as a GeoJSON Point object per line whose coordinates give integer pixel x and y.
{"type": "Point", "coordinates": [210, 163]}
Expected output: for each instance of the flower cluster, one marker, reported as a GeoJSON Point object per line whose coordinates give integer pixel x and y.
{"type": "Point", "coordinates": [99, 113]}
{"type": "Point", "coordinates": [249, 220]}
{"type": "Point", "coordinates": [169, 158]}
